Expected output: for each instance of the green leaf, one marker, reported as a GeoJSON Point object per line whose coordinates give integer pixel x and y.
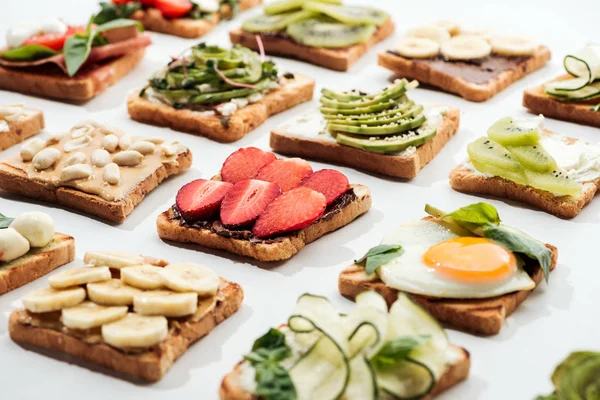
{"type": "Point", "coordinates": [379, 255]}
{"type": "Point", "coordinates": [478, 214]}
{"type": "Point", "coordinates": [549, 397]}
{"type": "Point", "coordinates": [5, 221]}
{"type": "Point", "coordinates": [596, 107]}
{"type": "Point", "coordinates": [110, 11]}
{"type": "Point", "coordinates": [273, 339]}
{"type": "Point", "coordinates": [28, 52]}
{"type": "Point", "coordinates": [397, 350]}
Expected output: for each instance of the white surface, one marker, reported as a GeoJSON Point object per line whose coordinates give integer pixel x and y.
{"type": "Point", "coordinates": [556, 319]}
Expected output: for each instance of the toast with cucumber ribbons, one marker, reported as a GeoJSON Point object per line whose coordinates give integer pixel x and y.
{"type": "Point", "coordinates": [18, 123]}
{"type": "Point", "coordinates": [367, 354]}
{"type": "Point", "coordinates": [383, 132]}
{"type": "Point", "coordinates": [322, 32]}
{"type": "Point", "coordinates": [128, 313]}
{"type": "Point", "coordinates": [573, 97]}
{"type": "Point", "coordinates": [222, 94]}
{"type": "Point", "coordinates": [576, 378]}
{"type": "Point", "coordinates": [475, 64]}
{"type": "Point", "coordinates": [466, 268]}
{"type": "Point", "coordinates": [520, 160]}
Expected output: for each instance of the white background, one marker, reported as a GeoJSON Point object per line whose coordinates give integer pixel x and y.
{"type": "Point", "coordinates": [516, 364]}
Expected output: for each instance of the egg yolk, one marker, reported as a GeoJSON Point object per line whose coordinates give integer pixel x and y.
{"type": "Point", "coordinates": [471, 259]}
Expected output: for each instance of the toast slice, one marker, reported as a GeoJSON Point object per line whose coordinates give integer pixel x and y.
{"type": "Point", "coordinates": [480, 316]}
{"type": "Point", "coordinates": [36, 263]}
{"type": "Point", "coordinates": [49, 81]}
{"type": "Point", "coordinates": [538, 102]}
{"type": "Point", "coordinates": [236, 126]}
{"type": "Point", "coordinates": [26, 126]}
{"type": "Point", "coordinates": [422, 71]}
{"type": "Point", "coordinates": [231, 388]}
{"type": "Point", "coordinates": [169, 227]}
{"type": "Point", "coordinates": [399, 166]}
{"type": "Point", "coordinates": [189, 28]}
{"type": "Point", "coordinates": [335, 59]}
{"type": "Point", "coordinates": [149, 365]}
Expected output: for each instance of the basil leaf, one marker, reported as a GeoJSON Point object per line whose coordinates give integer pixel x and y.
{"type": "Point", "coordinates": [270, 340]}
{"type": "Point", "coordinates": [5, 221]}
{"type": "Point", "coordinates": [28, 52]}
{"type": "Point", "coordinates": [119, 23]}
{"type": "Point", "coordinates": [111, 11]}
{"type": "Point", "coordinates": [397, 350]}
{"type": "Point", "coordinates": [596, 107]}
{"type": "Point", "coordinates": [379, 255]}
{"type": "Point", "coordinates": [478, 214]}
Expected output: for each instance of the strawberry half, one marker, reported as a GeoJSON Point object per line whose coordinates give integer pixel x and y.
{"type": "Point", "coordinates": [331, 183]}
{"type": "Point", "coordinates": [293, 210]}
{"type": "Point", "coordinates": [199, 200]}
{"type": "Point", "coordinates": [286, 173]}
{"type": "Point", "coordinates": [246, 200]}
{"type": "Point", "coordinates": [244, 164]}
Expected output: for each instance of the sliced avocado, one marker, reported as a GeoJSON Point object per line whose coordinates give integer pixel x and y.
{"type": "Point", "coordinates": [384, 105]}
{"type": "Point", "coordinates": [351, 95]}
{"type": "Point", "coordinates": [388, 129]}
{"type": "Point", "coordinates": [389, 93]}
{"type": "Point", "coordinates": [378, 121]}
{"type": "Point", "coordinates": [389, 144]}
{"type": "Point", "coordinates": [402, 105]}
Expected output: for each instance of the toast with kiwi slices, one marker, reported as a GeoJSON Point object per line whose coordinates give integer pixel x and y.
{"type": "Point", "coordinates": [18, 123]}
{"type": "Point", "coordinates": [322, 32]}
{"type": "Point", "coordinates": [383, 132]}
{"type": "Point", "coordinates": [520, 160]}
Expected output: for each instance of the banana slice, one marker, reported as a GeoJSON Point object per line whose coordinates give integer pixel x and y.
{"type": "Point", "coordinates": [414, 47]}
{"type": "Point", "coordinates": [48, 299]}
{"type": "Point", "coordinates": [190, 277]}
{"type": "Point", "coordinates": [165, 302]}
{"type": "Point", "coordinates": [465, 48]}
{"type": "Point", "coordinates": [89, 315]}
{"type": "Point", "coordinates": [513, 45]}
{"type": "Point", "coordinates": [112, 293]}
{"type": "Point", "coordinates": [146, 277]}
{"type": "Point", "coordinates": [79, 276]}
{"type": "Point", "coordinates": [135, 331]}
{"type": "Point", "coordinates": [452, 27]}
{"type": "Point", "coordinates": [112, 259]}
{"type": "Point", "coordinates": [433, 32]}
{"type": "Point", "coordinates": [484, 34]}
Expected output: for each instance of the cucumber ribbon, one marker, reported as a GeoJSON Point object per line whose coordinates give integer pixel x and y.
{"type": "Point", "coordinates": [585, 67]}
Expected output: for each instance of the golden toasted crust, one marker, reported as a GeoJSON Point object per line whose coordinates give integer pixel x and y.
{"type": "Point", "coordinates": [482, 316]}
{"type": "Point", "coordinates": [54, 83]}
{"type": "Point", "coordinates": [36, 263]}
{"type": "Point", "coordinates": [336, 59]}
{"type": "Point", "coordinates": [538, 102]}
{"type": "Point", "coordinates": [169, 229]}
{"type": "Point", "coordinates": [422, 72]}
{"type": "Point", "coordinates": [238, 125]}
{"type": "Point", "coordinates": [16, 181]}
{"type": "Point", "coordinates": [231, 389]}
{"type": "Point", "coordinates": [20, 130]}
{"type": "Point", "coordinates": [385, 164]}
{"type": "Point", "coordinates": [151, 365]}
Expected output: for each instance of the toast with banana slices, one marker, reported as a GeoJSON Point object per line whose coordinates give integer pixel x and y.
{"type": "Point", "coordinates": [18, 123]}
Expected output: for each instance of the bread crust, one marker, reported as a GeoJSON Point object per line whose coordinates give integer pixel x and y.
{"type": "Point", "coordinates": [538, 102]}
{"type": "Point", "coordinates": [169, 229]}
{"type": "Point", "coordinates": [149, 366]}
{"type": "Point", "coordinates": [386, 164]}
{"type": "Point", "coordinates": [238, 125]}
{"type": "Point", "coordinates": [16, 181]}
{"type": "Point", "coordinates": [422, 72]}
{"type": "Point", "coordinates": [55, 84]}
{"type": "Point", "coordinates": [22, 129]}
{"type": "Point", "coordinates": [335, 59]}
{"type": "Point", "coordinates": [36, 263]}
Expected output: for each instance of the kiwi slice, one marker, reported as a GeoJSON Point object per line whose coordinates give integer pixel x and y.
{"type": "Point", "coordinates": [510, 132]}
{"type": "Point", "coordinates": [349, 15]}
{"type": "Point", "coordinates": [281, 6]}
{"type": "Point", "coordinates": [556, 182]}
{"type": "Point", "coordinates": [326, 32]}
{"type": "Point", "coordinates": [389, 93]}
{"type": "Point", "coordinates": [387, 129]}
{"type": "Point", "coordinates": [388, 144]}
{"type": "Point", "coordinates": [489, 156]}
{"type": "Point", "coordinates": [535, 157]}
{"type": "Point", "coordinates": [274, 23]}
{"type": "Point", "coordinates": [517, 177]}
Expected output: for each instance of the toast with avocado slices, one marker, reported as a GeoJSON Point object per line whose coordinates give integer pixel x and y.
{"type": "Point", "coordinates": [576, 377]}
{"type": "Point", "coordinates": [398, 140]}
{"type": "Point", "coordinates": [18, 123]}
{"type": "Point", "coordinates": [124, 314]}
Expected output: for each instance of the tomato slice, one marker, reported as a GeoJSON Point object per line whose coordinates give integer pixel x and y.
{"type": "Point", "coordinates": [55, 41]}
{"type": "Point", "coordinates": [147, 3]}
{"type": "Point", "coordinates": [173, 8]}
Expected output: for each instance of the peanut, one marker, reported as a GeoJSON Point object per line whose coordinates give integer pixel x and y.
{"type": "Point", "coordinates": [31, 148]}
{"type": "Point", "coordinates": [112, 174]}
{"type": "Point", "coordinates": [143, 147]}
{"type": "Point", "coordinates": [46, 158]}
{"type": "Point", "coordinates": [75, 158]}
{"type": "Point", "coordinates": [77, 171]}
{"type": "Point", "coordinates": [100, 158]}
{"type": "Point", "coordinates": [110, 143]}
{"type": "Point", "coordinates": [128, 158]}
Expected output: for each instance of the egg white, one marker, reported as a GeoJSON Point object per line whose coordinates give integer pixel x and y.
{"type": "Point", "coordinates": [408, 272]}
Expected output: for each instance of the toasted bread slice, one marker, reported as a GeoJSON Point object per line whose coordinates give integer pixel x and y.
{"type": "Point", "coordinates": [36, 263]}
{"type": "Point", "coordinates": [49, 81]}
{"type": "Point", "coordinates": [150, 365]}
{"type": "Point", "coordinates": [271, 250]}
{"type": "Point", "coordinates": [399, 166]}
{"type": "Point", "coordinates": [424, 73]}
{"type": "Point", "coordinates": [236, 126]}
{"type": "Point", "coordinates": [26, 126]}
{"type": "Point", "coordinates": [538, 102]}
{"type": "Point", "coordinates": [231, 388]}
{"type": "Point", "coordinates": [16, 181]}
{"type": "Point", "coordinates": [335, 59]}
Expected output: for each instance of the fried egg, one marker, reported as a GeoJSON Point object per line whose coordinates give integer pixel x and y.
{"type": "Point", "coordinates": [438, 263]}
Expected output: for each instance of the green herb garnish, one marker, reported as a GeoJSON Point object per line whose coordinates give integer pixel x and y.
{"type": "Point", "coordinates": [379, 255]}
{"type": "Point", "coordinates": [5, 221]}
{"type": "Point", "coordinates": [28, 52]}
{"type": "Point", "coordinates": [110, 11]}
{"type": "Point", "coordinates": [397, 350]}
{"type": "Point", "coordinates": [596, 107]}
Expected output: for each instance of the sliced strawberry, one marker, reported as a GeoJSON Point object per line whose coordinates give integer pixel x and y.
{"type": "Point", "coordinates": [293, 210]}
{"type": "Point", "coordinates": [199, 200]}
{"type": "Point", "coordinates": [286, 173]}
{"type": "Point", "coordinates": [246, 200]}
{"type": "Point", "coordinates": [330, 182]}
{"type": "Point", "coordinates": [244, 164]}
